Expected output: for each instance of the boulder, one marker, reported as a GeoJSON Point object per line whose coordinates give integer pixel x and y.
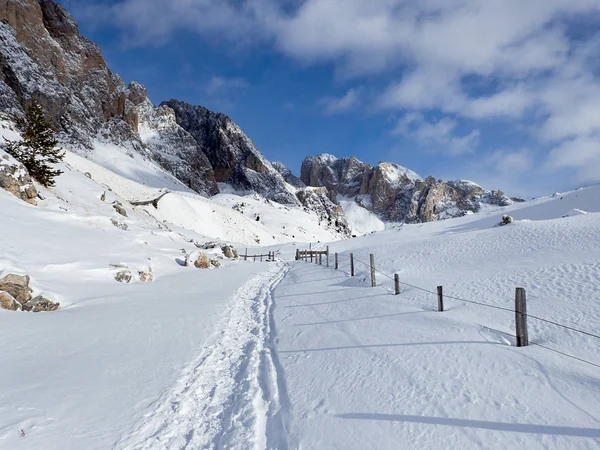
{"type": "Point", "coordinates": [146, 277]}
{"type": "Point", "coordinates": [215, 263]}
{"type": "Point", "coordinates": [40, 304]}
{"type": "Point", "coordinates": [119, 225]}
{"type": "Point", "coordinates": [229, 251]}
{"type": "Point", "coordinates": [507, 219]}
{"type": "Point", "coordinates": [119, 208]}
{"type": "Point", "coordinates": [15, 179]}
{"type": "Point", "coordinates": [17, 286]}
{"type": "Point", "coordinates": [123, 276]}
{"type": "Point", "coordinates": [8, 302]}
{"type": "Point", "coordinates": [210, 245]}
{"type": "Point", "coordinates": [202, 262]}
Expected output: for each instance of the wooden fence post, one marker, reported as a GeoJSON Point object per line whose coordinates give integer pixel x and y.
{"type": "Point", "coordinates": [297, 254]}
{"type": "Point", "coordinates": [246, 255]}
{"type": "Point", "coordinates": [328, 256]}
{"type": "Point", "coordinates": [372, 258]}
{"type": "Point", "coordinates": [320, 259]}
{"type": "Point", "coordinates": [336, 262]}
{"type": "Point", "coordinates": [521, 317]}
{"type": "Point", "coordinates": [396, 284]}
{"type": "Point", "coordinates": [261, 257]}
{"type": "Point", "coordinates": [351, 264]}
{"type": "Point", "coordinates": [440, 291]}
{"type": "Point", "coordinates": [311, 256]}
{"type": "Point", "coordinates": [254, 258]}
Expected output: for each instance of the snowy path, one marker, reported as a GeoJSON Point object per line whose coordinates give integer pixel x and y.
{"type": "Point", "coordinates": [366, 369]}
{"type": "Point", "coordinates": [228, 397]}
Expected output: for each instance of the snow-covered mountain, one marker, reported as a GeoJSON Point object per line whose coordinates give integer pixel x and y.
{"type": "Point", "coordinates": [396, 193]}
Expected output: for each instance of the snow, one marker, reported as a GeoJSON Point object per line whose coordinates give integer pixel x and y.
{"type": "Point", "coordinates": [366, 369]}
{"type": "Point", "coordinates": [361, 220]}
{"type": "Point", "coordinates": [291, 354]}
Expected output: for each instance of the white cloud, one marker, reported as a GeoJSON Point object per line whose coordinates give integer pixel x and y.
{"type": "Point", "coordinates": [440, 134]}
{"type": "Point", "coordinates": [219, 85]}
{"type": "Point", "coordinates": [533, 69]}
{"type": "Point", "coordinates": [337, 105]}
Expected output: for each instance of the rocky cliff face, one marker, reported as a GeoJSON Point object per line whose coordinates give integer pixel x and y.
{"type": "Point", "coordinates": [323, 202]}
{"type": "Point", "coordinates": [288, 176]}
{"type": "Point", "coordinates": [232, 155]}
{"type": "Point", "coordinates": [43, 56]}
{"type": "Point", "coordinates": [396, 193]}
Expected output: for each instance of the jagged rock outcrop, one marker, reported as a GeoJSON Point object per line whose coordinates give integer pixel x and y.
{"type": "Point", "coordinates": [43, 56]}
{"type": "Point", "coordinates": [396, 193]}
{"type": "Point", "coordinates": [233, 156]}
{"type": "Point", "coordinates": [288, 176]}
{"type": "Point", "coordinates": [174, 148]}
{"type": "Point", "coordinates": [15, 179]}
{"type": "Point", "coordinates": [323, 203]}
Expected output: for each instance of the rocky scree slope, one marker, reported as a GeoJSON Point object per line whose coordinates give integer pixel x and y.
{"type": "Point", "coordinates": [396, 193]}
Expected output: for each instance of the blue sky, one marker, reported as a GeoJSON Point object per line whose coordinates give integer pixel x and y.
{"type": "Point", "coordinates": [502, 92]}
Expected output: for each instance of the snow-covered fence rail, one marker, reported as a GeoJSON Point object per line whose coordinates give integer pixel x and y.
{"type": "Point", "coordinates": [520, 309]}
{"type": "Point", "coordinates": [270, 256]}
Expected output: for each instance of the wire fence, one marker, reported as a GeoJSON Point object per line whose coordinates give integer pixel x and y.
{"type": "Point", "coordinates": [354, 259]}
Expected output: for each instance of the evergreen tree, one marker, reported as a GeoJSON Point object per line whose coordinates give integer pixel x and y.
{"type": "Point", "coordinates": [38, 147]}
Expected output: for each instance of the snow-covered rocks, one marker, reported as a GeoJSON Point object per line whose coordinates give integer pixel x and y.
{"type": "Point", "coordinates": [229, 251]}
{"type": "Point", "coordinates": [507, 220]}
{"type": "Point", "coordinates": [40, 304]}
{"type": "Point", "coordinates": [15, 179]}
{"type": "Point", "coordinates": [396, 193]}
{"type": "Point", "coordinates": [8, 302]}
{"type": "Point", "coordinates": [118, 207]}
{"type": "Point", "coordinates": [15, 295]}
{"type": "Point", "coordinates": [124, 276]}
{"type": "Point", "coordinates": [17, 286]}
{"type": "Point", "coordinates": [145, 277]}
{"type": "Point", "coordinates": [199, 260]}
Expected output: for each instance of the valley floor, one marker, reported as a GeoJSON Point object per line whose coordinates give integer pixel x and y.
{"type": "Point", "coordinates": [293, 355]}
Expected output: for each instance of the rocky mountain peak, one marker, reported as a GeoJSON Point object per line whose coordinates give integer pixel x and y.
{"type": "Point", "coordinates": [235, 159]}
{"type": "Point", "coordinates": [396, 193]}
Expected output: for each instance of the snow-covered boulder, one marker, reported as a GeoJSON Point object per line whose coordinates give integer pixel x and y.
{"type": "Point", "coordinates": [124, 276]}
{"type": "Point", "coordinates": [8, 302]}
{"type": "Point", "coordinates": [15, 179]}
{"type": "Point", "coordinates": [40, 304]}
{"type": "Point", "coordinates": [17, 286]}
{"type": "Point", "coordinates": [229, 251]}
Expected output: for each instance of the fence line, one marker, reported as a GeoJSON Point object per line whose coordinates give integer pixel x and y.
{"type": "Point", "coordinates": [519, 314]}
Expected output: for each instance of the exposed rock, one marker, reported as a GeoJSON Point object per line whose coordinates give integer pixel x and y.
{"type": "Point", "coordinates": [396, 193]}
{"type": "Point", "coordinates": [103, 196]}
{"type": "Point", "coordinates": [232, 155]}
{"type": "Point", "coordinates": [507, 220]}
{"type": "Point", "coordinates": [8, 302]}
{"type": "Point", "coordinates": [229, 251]}
{"type": "Point", "coordinates": [120, 225]}
{"type": "Point", "coordinates": [17, 286]}
{"type": "Point", "coordinates": [202, 262]}
{"type": "Point", "coordinates": [119, 208]}
{"type": "Point", "coordinates": [215, 263]}
{"type": "Point", "coordinates": [288, 176]}
{"type": "Point", "coordinates": [146, 277]}
{"type": "Point", "coordinates": [323, 203]}
{"type": "Point", "coordinates": [210, 245]}
{"type": "Point", "coordinates": [15, 179]}
{"type": "Point", "coordinates": [175, 149]}
{"type": "Point", "coordinates": [40, 304]}
{"type": "Point", "coordinates": [123, 276]}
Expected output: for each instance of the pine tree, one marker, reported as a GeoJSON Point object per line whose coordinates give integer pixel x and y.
{"type": "Point", "coordinates": [38, 147]}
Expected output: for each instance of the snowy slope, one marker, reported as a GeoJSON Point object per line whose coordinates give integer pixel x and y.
{"type": "Point", "coordinates": [361, 220]}
{"type": "Point", "coordinates": [366, 369]}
